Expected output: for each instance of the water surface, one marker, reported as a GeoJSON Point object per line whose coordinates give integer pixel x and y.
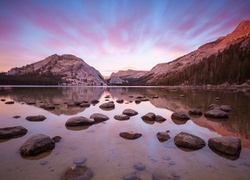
{"type": "Point", "coordinates": [108, 155]}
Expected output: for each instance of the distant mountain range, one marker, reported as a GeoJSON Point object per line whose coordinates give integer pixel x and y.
{"type": "Point", "coordinates": [225, 60]}
{"type": "Point", "coordinates": [124, 77]}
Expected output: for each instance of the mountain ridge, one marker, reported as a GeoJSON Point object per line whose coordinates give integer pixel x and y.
{"type": "Point", "coordinates": [241, 33]}
{"type": "Point", "coordinates": [73, 70]}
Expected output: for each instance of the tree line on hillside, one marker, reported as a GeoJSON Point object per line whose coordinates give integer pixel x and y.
{"type": "Point", "coordinates": [33, 78]}
{"type": "Point", "coordinates": [232, 65]}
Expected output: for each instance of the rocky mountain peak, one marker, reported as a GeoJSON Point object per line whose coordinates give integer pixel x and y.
{"type": "Point", "coordinates": [73, 70]}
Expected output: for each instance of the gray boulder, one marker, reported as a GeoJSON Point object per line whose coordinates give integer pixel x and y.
{"type": "Point", "coordinates": [216, 113]}
{"type": "Point", "coordinates": [121, 117]}
{"type": "Point", "coordinates": [36, 118]}
{"type": "Point", "coordinates": [130, 112]}
{"type": "Point", "coordinates": [190, 141]}
{"type": "Point", "coordinates": [79, 121]}
{"type": "Point", "coordinates": [180, 116]}
{"type": "Point", "coordinates": [37, 144]}
{"type": "Point", "coordinates": [130, 135]}
{"type": "Point", "coordinates": [139, 166]}
{"type": "Point", "coordinates": [149, 117]}
{"type": "Point", "coordinates": [160, 118]}
{"type": "Point", "coordinates": [229, 145]}
{"type": "Point", "coordinates": [163, 136]}
{"type": "Point", "coordinates": [120, 101]}
{"type": "Point", "coordinates": [76, 172]}
{"type": "Point", "coordinates": [98, 117]}
{"type": "Point", "coordinates": [11, 132]}
{"type": "Point", "coordinates": [108, 105]}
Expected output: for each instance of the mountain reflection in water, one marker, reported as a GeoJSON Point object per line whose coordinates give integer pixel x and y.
{"type": "Point", "coordinates": [101, 143]}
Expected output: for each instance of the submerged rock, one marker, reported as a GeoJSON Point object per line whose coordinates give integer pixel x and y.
{"type": "Point", "coordinates": [121, 117]}
{"type": "Point", "coordinates": [130, 112]}
{"type": "Point", "coordinates": [76, 172]}
{"type": "Point", "coordinates": [149, 117]}
{"type": "Point", "coordinates": [80, 160]}
{"type": "Point", "coordinates": [139, 175]}
{"type": "Point", "coordinates": [195, 111]}
{"type": "Point", "coordinates": [139, 166]}
{"type": "Point", "coordinates": [37, 144]}
{"type": "Point", "coordinates": [216, 113]}
{"type": "Point", "coordinates": [79, 121]}
{"type": "Point", "coordinates": [36, 118]}
{"type": "Point", "coordinates": [165, 177]}
{"type": "Point", "coordinates": [98, 117]}
{"type": "Point", "coordinates": [163, 136]}
{"type": "Point", "coordinates": [130, 135]}
{"type": "Point", "coordinates": [190, 141]}
{"type": "Point", "coordinates": [229, 145]}
{"type": "Point", "coordinates": [10, 132]}
{"type": "Point", "coordinates": [180, 116]}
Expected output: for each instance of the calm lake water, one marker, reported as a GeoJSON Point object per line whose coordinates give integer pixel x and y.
{"type": "Point", "coordinates": [108, 155]}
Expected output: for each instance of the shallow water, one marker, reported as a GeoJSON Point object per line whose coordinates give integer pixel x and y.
{"type": "Point", "coordinates": [107, 154]}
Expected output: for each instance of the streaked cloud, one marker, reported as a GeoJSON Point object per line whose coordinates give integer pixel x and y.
{"type": "Point", "coordinates": [112, 34]}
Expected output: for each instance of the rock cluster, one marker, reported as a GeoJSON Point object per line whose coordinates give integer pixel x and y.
{"type": "Point", "coordinates": [218, 111]}
{"type": "Point", "coordinates": [180, 116]}
{"type": "Point", "coordinates": [152, 117]}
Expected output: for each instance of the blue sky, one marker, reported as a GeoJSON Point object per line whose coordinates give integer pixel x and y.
{"type": "Point", "coordinates": [113, 35]}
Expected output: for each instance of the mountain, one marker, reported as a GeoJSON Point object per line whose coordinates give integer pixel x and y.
{"type": "Point", "coordinates": [65, 69]}
{"type": "Point", "coordinates": [225, 60]}
{"type": "Point", "coordinates": [125, 77]}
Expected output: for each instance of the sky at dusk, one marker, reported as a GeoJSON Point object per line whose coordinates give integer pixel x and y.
{"type": "Point", "coordinates": [113, 35]}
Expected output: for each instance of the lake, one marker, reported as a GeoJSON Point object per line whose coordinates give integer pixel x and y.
{"type": "Point", "coordinates": [108, 155]}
